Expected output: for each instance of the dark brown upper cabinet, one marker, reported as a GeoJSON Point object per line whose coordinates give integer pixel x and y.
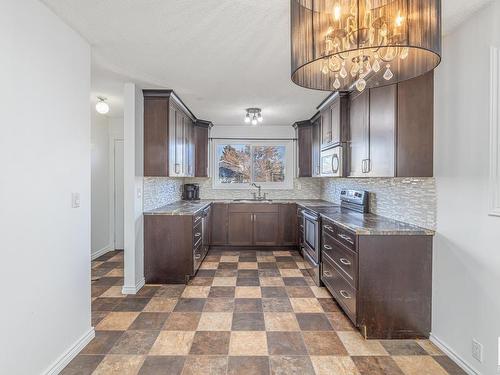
{"type": "Point", "coordinates": [334, 112]}
{"type": "Point", "coordinates": [169, 135]}
{"type": "Point", "coordinates": [391, 130]}
{"type": "Point", "coordinates": [304, 134]}
{"type": "Point", "coordinates": [316, 145]}
{"type": "Point", "coordinates": [201, 141]}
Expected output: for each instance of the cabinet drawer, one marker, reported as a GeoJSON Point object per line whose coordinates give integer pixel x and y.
{"type": "Point", "coordinates": [197, 218]}
{"type": "Point", "coordinates": [328, 227]}
{"type": "Point", "coordinates": [344, 293]}
{"type": "Point", "coordinates": [253, 207]}
{"type": "Point", "coordinates": [345, 237]}
{"type": "Point", "coordinates": [197, 234]}
{"type": "Point", "coordinates": [343, 258]}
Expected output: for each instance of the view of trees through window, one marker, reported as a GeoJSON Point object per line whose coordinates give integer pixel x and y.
{"type": "Point", "coordinates": [245, 163]}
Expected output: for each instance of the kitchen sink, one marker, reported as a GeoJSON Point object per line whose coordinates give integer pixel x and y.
{"type": "Point", "coordinates": [253, 200]}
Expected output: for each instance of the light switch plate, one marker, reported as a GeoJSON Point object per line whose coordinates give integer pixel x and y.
{"type": "Point", "coordinates": [75, 200]}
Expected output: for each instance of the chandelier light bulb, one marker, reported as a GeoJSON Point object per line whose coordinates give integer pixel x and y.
{"type": "Point", "coordinates": [259, 117]}
{"type": "Point", "coordinates": [404, 53]}
{"type": "Point", "coordinates": [337, 12]}
{"type": "Point", "coordinates": [101, 106]}
{"type": "Point", "coordinates": [399, 19]}
{"type": "Point", "coordinates": [247, 118]}
{"type": "Point", "coordinates": [254, 120]}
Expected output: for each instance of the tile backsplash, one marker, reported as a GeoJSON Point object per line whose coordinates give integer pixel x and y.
{"type": "Point", "coordinates": [159, 191]}
{"type": "Point", "coordinates": [412, 200]}
{"type": "Point", "coordinates": [304, 188]}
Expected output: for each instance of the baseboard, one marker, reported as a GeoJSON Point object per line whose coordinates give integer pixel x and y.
{"type": "Point", "coordinates": [104, 250]}
{"type": "Point", "coordinates": [453, 356]}
{"type": "Point", "coordinates": [134, 289]}
{"type": "Point", "coordinates": [71, 353]}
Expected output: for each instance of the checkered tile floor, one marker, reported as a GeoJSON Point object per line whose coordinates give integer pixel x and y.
{"type": "Point", "coordinates": [246, 312]}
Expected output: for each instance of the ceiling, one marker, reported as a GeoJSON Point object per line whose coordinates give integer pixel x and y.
{"type": "Point", "coordinates": [220, 56]}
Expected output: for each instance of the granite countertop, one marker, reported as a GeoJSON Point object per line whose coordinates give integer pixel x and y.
{"type": "Point", "coordinates": [192, 207]}
{"type": "Point", "coordinates": [359, 223]}
{"type": "Point", "coordinates": [368, 224]}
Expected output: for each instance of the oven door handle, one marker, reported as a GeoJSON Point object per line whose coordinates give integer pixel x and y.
{"type": "Point", "coordinates": [307, 215]}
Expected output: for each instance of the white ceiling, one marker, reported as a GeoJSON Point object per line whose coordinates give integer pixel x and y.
{"type": "Point", "coordinates": [220, 56]}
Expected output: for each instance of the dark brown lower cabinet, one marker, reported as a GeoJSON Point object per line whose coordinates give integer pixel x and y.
{"type": "Point", "coordinates": [254, 224]}
{"type": "Point", "coordinates": [288, 224]}
{"type": "Point", "coordinates": [219, 224]}
{"type": "Point", "coordinates": [265, 229]}
{"type": "Point", "coordinates": [383, 283]}
{"type": "Point", "coordinates": [173, 247]}
{"type": "Point", "coordinates": [240, 230]}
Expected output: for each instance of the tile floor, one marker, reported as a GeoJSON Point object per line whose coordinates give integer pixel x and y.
{"type": "Point", "coordinates": [246, 312]}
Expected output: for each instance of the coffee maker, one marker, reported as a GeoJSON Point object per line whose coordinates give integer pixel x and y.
{"type": "Point", "coordinates": [191, 192]}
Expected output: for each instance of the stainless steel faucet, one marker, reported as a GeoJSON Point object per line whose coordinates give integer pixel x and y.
{"type": "Point", "coordinates": [260, 189]}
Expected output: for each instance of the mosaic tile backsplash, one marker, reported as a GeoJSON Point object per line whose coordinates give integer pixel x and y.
{"type": "Point", "coordinates": [304, 188]}
{"type": "Point", "coordinates": [159, 191]}
{"type": "Point", "coordinates": [411, 200]}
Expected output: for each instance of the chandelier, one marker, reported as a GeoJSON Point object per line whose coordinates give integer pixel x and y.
{"type": "Point", "coordinates": [341, 44]}
{"type": "Point", "coordinates": [254, 115]}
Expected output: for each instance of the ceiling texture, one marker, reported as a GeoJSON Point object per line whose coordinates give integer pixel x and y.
{"type": "Point", "coordinates": [220, 56]}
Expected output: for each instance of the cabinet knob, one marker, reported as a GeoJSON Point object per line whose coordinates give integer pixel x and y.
{"type": "Point", "coordinates": [346, 238]}
{"type": "Point", "coordinates": [327, 273]}
{"type": "Point", "coordinates": [328, 247]}
{"type": "Point", "coordinates": [197, 234]}
{"type": "Point", "coordinates": [197, 256]}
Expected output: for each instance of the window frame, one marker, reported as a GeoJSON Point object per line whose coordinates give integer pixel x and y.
{"type": "Point", "coordinates": [287, 184]}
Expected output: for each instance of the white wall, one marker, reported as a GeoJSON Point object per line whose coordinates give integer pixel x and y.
{"type": "Point", "coordinates": [104, 131]}
{"type": "Point", "coordinates": [45, 156]}
{"type": "Point", "coordinates": [133, 118]}
{"type": "Point", "coordinates": [466, 301]}
{"type": "Point", "coordinates": [100, 187]}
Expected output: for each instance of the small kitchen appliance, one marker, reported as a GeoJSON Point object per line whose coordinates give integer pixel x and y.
{"type": "Point", "coordinates": [191, 192]}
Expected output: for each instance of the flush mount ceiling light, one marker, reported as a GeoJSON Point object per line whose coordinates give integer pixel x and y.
{"type": "Point", "coordinates": [341, 44]}
{"type": "Point", "coordinates": [101, 106]}
{"type": "Point", "coordinates": [254, 115]}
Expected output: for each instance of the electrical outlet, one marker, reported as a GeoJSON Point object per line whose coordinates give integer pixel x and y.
{"type": "Point", "coordinates": [477, 350]}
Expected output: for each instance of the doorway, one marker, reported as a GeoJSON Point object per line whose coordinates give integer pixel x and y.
{"type": "Point", "coordinates": [118, 194]}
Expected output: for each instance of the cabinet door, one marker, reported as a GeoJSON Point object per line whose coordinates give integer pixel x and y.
{"type": "Point", "coordinates": [415, 134]}
{"type": "Point", "coordinates": [316, 147]}
{"type": "Point", "coordinates": [288, 224]}
{"type": "Point", "coordinates": [218, 219]}
{"type": "Point", "coordinates": [382, 131]}
{"type": "Point", "coordinates": [360, 130]}
{"type": "Point", "coordinates": [188, 147]}
{"type": "Point", "coordinates": [265, 228]}
{"type": "Point", "coordinates": [156, 137]}
{"type": "Point", "coordinates": [326, 127]}
{"type": "Point", "coordinates": [177, 142]}
{"type": "Point", "coordinates": [335, 121]}
{"type": "Point", "coordinates": [201, 151]}
{"type": "Point", "coordinates": [304, 144]}
{"type": "Point", "coordinates": [240, 229]}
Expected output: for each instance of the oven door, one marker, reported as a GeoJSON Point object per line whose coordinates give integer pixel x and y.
{"type": "Point", "coordinates": [311, 236]}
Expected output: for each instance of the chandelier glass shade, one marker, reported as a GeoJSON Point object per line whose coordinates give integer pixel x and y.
{"type": "Point", "coordinates": [340, 45]}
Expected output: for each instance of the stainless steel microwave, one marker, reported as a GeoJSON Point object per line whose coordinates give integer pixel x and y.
{"type": "Point", "coordinates": [331, 162]}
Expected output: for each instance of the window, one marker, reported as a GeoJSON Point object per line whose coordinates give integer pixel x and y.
{"type": "Point", "coordinates": [238, 164]}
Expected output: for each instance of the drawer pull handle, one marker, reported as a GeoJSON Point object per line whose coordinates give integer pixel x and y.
{"type": "Point", "coordinates": [327, 273]}
{"type": "Point", "coordinates": [328, 247]}
{"type": "Point", "coordinates": [198, 218]}
{"type": "Point", "coordinates": [344, 294]}
{"type": "Point", "coordinates": [345, 262]}
{"type": "Point", "coordinates": [197, 234]}
{"type": "Point", "coordinates": [197, 256]}
{"type": "Point", "coordinates": [346, 238]}
{"type": "Point", "coordinates": [328, 227]}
